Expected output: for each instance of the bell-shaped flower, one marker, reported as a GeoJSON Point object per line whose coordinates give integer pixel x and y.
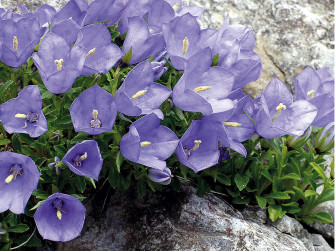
{"type": "Point", "coordinates": [158, 68]}
{"type": "Point", "coordinates": [139, 95]}
{"type": "Point", "coordinates": [184, 38]}
{"type": "Point", "coordinates": [134, 8]}
{"type": "Point", "coordinates": [84, 159]}
{"type": "Point", "coordinates": [24, 113]}
{"type": "Point", "coordinates": [317, 87]}
{"type": "Point", "coordinates": [278, 115]}
{"type": "Point", "coordinates": [104, 10]}
{"type": "Point", "coordinates": [58, 64]}
{"type": "Point", "coordinates": [160, 13]}
{"type": "Point", "coordinates": [160, 176]}
{"type": "Point", "coordinates": [44, 14]}
{"type": "Point", "coordinates": [60, 217]}
{"type": "Point", "coordinates": [203, 88]}
{"type": "Point", "coordinates": [141, 43]}
{"type": "Point", "coordinates": [180, 10]}
{"type": "Point", "coordinates": [94, 111]}
{"type": "Point", "coordinates": [74, 10]}
{"type": "Point", "coordinates": [149, 143]}
{"type": "Point", "coordinates": [19, 39]}
{"type": "Point", "coordinates": [101, 54]}
{"type": "Point", "coordinates": [198, 148]}
{"type": "Point", "coordinates": [19, 177]}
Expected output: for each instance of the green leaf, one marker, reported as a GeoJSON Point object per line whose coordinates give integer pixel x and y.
{"type": "Point", "coordinates": [215, 61]}
{"type": "Point", "coordinates": [4, 142]}
{"type": "Point", "coordinates": [6, 247]}
{"type": "Point", "coordinates": [223, 179]}
{"type": "Point", "coordinates": [261, 201]}
{"type": "Point", "coordinates": [40, 194]}
{"type": "Point", "coordinates": [241, 181]}
{"type": "Point", "coordinates": [36, 206]}
{"type": "Point", "coordinates": [203, 188]}
{"type": "Point", "coordinates": [127, 57]}
{"type": "Point", "coordinates": [275, 212]}
{"type": "Point", "coordinates": [326, 196]}
{"type": "Point", "coordinates": [16, 143]}
{"type": "Point", "coordinates": [292, 176]}
{"type": "Point", "coordinates": [310, 193]}
{"type": "Point", "coordinates": [5, 86]}
{"type": "Point", "coordinates": [79, 196]}
{"type": "Point", "coordinates": [119, 161]}
{"type": "Point", "coordinates": [33, 242]}
{"type": "Point", "coordinates": [278, 196]}
{"type": "Point", "coordinates": [20, 228]}
{"type": "Point", "coordinates": [80, 182]}
{"type": "Point", "coordinates": [322, 217]}
{"type": "Point", "coordinates": [267, 175]}
{"type": "Point", "coordinates": [141, 187]}
{"type": "Point", "coordinates": [319, 170]}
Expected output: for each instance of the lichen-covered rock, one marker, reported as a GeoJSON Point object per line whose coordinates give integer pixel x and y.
{"type": "Point", "coordinates": [290, 35]}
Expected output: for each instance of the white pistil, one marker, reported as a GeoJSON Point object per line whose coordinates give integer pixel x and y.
{"type": "Point", "coordinates": [139, 94]}
{"type": "Point", "coordinates": [15, 44]}
{"type": "Point", "coordinates": [59, 63]}
{"type": "Point", "coordinates": [310, 93]}
{"type": "Point", "coordinates": [185, 45]}
{"type": "Point", "coordinates": [9, 178]}
{"type": "Point", "coordinates": [279, 108]}
{"type": "Point", "coordinates": [145, 143]}
{"type": "Point", "coordinates": [90, 53]}
{"type": "Point", "coordinates": [231, 124]}
{"type": "Point", "coordinates": [59, 214]}
{"type": "Point", "coordinates": [202, 88]}
{"type": "Point", "coordinates": [20, 116]}
{"type": "Point", "coordinates": [84, 156]}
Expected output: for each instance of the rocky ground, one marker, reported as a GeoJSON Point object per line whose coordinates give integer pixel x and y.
{"type": "Point", "coordinates": [290, 35]}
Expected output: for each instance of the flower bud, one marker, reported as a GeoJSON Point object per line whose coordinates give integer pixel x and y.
{"type": "Point", "coordinates": [297, 142]}
{"type": "Point", "coordinates": [325, 139]}
{"type": "Point", "coordinates": [160, 176]}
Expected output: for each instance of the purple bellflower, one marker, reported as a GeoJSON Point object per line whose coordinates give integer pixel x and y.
{"type": "Point", "coordinates": [180, 10]}
{"type": "Point", "coordinates": [44, 14]}
{"type": "Point", "coordinates": [234, 45]}
{"type": "Point", "coordinates": [160, 13]}
{"type": "Point", "coordinates": [24, 113]}
{"type": "Point", "coordinates": [203, 88]}
{"type": "Point", "coordinates": [19, 39]}
{"type": "Point", "coordinates": [58, 64]}
{"type": "Point", "coordinates": [67, 29]}
{"type": "Point", "coordinates": [134, 8]}
{"type": "Point", "coordinates": [19, 177]}
{"type": "Point", "coordinates": [60, 217]}
{"type": "Point", "coordinates": [158, 68]}
{"type": "Point", "coordinates": [184, 38]}
{"type": "Point", "coordinates": [149, 143]}
{"type": "Point", "coordinates": [139, 95]}
{"type": "Point", "coordinates": [101, 54]}
{"type": "Point", "coordinates": [317, 87]}
{"type": "Point", "coordinates": [160, 176]}
{"type": "Point", "coordinates": [198, 148]}
{"type": "Point", "coordinates": [84, 159]}
{"type": "Point", "coordinates": [142, 43]}
{"type": "Point", "coordinates": [94, 111]}
{"type": "Point", "coordinates": [278, 115]}
{"type": "Point", "coordinates": [74, 10]}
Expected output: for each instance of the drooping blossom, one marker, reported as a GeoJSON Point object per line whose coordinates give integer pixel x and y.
{"type": "Point", "coordinates": [142, 44]}
{"type": "Point", "coordinates": [160, 176]}
{"type": "Point", "coordinates": [317, 87]}
{"type": "Point", "coordinates": [149, 143]}
{"type": "Point", "coordinates": [24, 113]}
{"type": "Point", "coordinates": [60, 217]}
{"type": "Point", "coordinates": [184, 38]}
{"type": "Point", "coordinates": [101, 54]}
{"type": "Point", "coordinates": [94, 111]}
{"type": "Point", "coordinates": [19, 39]}
{"type": "Point", "coordinates": [203, 88]}
{"type": "Point", "coordinates": [58, 64]}
{"type": "Point", "coordinates": [198, 148]}
{"type": "Point", "coordinates": [19, 177]}
{"type": "Point", "coordinates": [278, 115]}
{"type": "Point", "coordinates": [84, 159]}
{"type": "Point", "coordinates": [235, 44]}
{"type": "Point", "coordinates": [139, 95]}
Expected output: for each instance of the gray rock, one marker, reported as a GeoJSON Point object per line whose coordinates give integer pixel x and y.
{"type": "Point", "coordinates": [290, 35]}
{"type": "Point", "coordinates": [320, 244]}
{"type": "Point", "coordinates": [175, 221]}
{"type": "Point", "coordinates": [32, 5]}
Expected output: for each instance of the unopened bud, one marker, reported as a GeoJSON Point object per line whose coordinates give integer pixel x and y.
{"type": "Point", "coordinates": [325, 139]}
{"type": "Point", "coordinates": [297, 142]}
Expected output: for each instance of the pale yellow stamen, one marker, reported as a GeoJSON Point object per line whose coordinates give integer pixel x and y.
{"type": "Point", "coordinates": [84, 156]}
{"type": "Point", "coordinates": [175, 7]}
{"type": "Point", "coordinates": [151, 30]}
{"type": "Point", "coordinates": [9, 178]}
{"type": "Point", "coordinates": [90, 53]}
{"type": "Point", "coordinates": [145, 143]}
{"type": "Point", "coordinates": [232, 124]}
{"type": "Point", "coordinates": [310, 93]}
{"type": "Point", "coordinates": [202, 88]}
{"type": "Point", "coordinates": [15, 44]}
{"type": "Point", "coordinates": [95, 114]}
{"type": "Point", "coordinates": [185, 45]}
{"type": "Point", "coordinates": [59, 214]}
{"type": "Point", "coordinates": [59, 63]}
{"type": "Point", "coordinates": [279, 108]}
{"type": "Point", "coordinates": [139, 94]}
{"type": "Point", "coordinates": [21, 116]}
{"type": "Point", "coordinates": [196, 146]}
